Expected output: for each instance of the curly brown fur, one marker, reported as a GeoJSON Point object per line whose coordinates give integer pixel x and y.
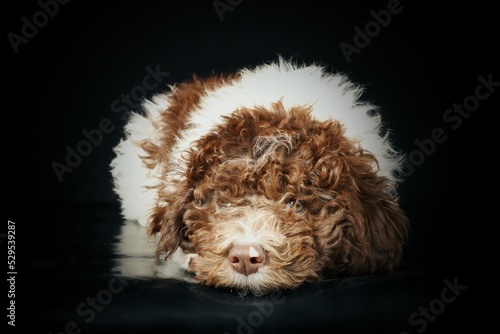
{"type": "Point", "coordinates": [299, 189]}
{"type": "Point", "coordinates": [260, 161]}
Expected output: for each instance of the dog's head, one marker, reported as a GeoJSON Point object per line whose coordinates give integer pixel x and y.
{"type": "Point", "coordinates": [274, 198]}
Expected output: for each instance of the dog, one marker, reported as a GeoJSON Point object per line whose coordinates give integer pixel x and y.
{"type": "Point", "coordinates": [264, 179]}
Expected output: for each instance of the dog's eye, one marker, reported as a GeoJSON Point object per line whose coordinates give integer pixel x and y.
{"type": "Point", "coordinates": [297, 206]}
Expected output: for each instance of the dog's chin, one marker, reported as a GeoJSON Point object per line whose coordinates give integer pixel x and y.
{"type": "Point", "coordinates": [266, 280]}
{"type": "Point", "coordinates": [258, 284]}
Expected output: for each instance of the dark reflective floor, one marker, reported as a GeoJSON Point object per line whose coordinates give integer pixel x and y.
{"type": "Point", "coordinates": [89, 270]}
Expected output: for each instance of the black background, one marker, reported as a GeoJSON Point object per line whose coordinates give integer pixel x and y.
{"type": "Point", "coordinates": [428, 58]}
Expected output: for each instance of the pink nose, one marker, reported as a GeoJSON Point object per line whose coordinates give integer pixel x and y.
{"type": "Point", "coordinates": [246, 259]}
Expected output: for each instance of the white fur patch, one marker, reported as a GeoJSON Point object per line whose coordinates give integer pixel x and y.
{"type": "Point", "coordinates": [131, 177]}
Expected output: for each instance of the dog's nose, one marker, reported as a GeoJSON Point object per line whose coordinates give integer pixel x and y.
{"type": "Point", "coordinates": [246, 259]}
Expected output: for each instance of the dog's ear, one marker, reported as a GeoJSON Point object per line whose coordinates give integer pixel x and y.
{"type": "Point", "coordinates": [376, 230]}
{"type": "Point", "coordinates": [364, 229]}
{"type": "Point", "coordinates": [168, 221]}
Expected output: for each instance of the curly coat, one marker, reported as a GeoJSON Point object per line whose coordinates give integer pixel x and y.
{"type": "Point", "coordinates": [301, 190]}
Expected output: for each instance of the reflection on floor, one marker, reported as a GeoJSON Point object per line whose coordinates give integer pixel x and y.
{"type": "Point", "coordinates": [135, 256]}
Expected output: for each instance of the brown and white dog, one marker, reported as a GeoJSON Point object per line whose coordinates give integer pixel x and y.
{"type": "Point", "coordinates": [264, 179]}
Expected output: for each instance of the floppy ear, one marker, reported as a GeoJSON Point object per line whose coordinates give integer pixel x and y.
{"type": "Point", "coordinates": [168, 221]}
{"type": "Point", "coordinates": [376, 232]}
{"type": "Point", "coordinates": [371, 227]}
